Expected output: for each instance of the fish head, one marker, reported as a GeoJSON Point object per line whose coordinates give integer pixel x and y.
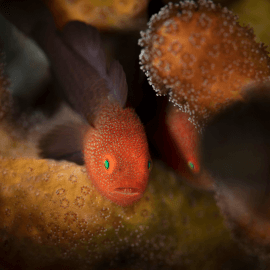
{"type": "Point", "coordinates": [116, 155]}
{"type": "Point", "coordinates": [182, 152]}
{"type": "Point", "coordinates": [185, 136]}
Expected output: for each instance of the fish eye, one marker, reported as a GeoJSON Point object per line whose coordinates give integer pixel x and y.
{"type": "Point", "coordinates": [109, 163]}
{"type": "Point", "coordinates": [149, 164]}
{"type": "Point", "coordinates": [191, 165]}
{"type": "Point", "coordinates": [106, 164]}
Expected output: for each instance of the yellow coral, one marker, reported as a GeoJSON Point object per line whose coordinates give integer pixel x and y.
{"type": "Point", "coordinates": [120, 14]}
{"type": "Point", "coordinates": [51, 213]}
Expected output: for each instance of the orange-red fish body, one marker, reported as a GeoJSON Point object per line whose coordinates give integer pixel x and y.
{"type": "Point", "coordinates": [111, 141]}
{"type": "Point", "coordinates": [177, 141]}
{"type": "Point", "coordinates": [185, 138]}
{"type": "Point", "coordinates": [116, 155]}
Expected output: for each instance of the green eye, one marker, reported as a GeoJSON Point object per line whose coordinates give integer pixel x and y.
{"type": "Point", "coordinates": [106, 164]}
{"type": "Point", "coordinates": [191, 165]}
{"type": "Point", "coordinates": [149, 164]}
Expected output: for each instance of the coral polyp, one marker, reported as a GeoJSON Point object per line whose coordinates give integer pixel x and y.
{"type": "Point", "coordinates": [52, 215]}
{"type": "Point", "coordinates": [200, 56]}
{"type": "Point", "coordinates": [104, 15]}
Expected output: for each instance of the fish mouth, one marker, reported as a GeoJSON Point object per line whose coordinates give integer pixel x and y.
{"type": "Point", "coordinates": [126, 191]}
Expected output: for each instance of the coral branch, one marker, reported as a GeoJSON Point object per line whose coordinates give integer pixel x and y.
{"type": "Point", "coordinates": [235, 150]}
{"type": "Point", "coordinates": [51, 214]}
{"type": "Point", "coordinates": [201, 57]}
{"type": "Point", "coordinates": [106, 14]}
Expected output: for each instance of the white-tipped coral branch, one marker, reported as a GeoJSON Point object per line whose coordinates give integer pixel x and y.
{"type": "Point", "coordinates": [201, 57]}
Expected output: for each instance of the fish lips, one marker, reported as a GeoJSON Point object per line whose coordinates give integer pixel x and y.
{"type": "Point", "coordinates": [125, 195]}
{"type": "Point", "coordinates": [126, 191]}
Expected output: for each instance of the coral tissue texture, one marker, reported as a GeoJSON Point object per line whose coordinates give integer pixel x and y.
{"type": "Point", "coordinates": [51, 214]}
{"type": "Point", "coordinates": [201, 57]}
{"type": "Point", "coordinates": [108, 14]}
{"type": "Point", "coordinates": [52, 217]}
{"type": "Point", "coordinates": [54, 212]}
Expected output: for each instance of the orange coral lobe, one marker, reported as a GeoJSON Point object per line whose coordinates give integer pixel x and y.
{"type": "Point", "coordinates": [116, 155]}
{"type": "Point", "coordinates": [201, 57]}
{"type": "Point", "coordinates": [101, 14]}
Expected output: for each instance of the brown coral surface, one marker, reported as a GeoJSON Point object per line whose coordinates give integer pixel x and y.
{"type": "Point", "coordinates": [201, 57]}
{"type": "Point", "coordinates": [52, 214]}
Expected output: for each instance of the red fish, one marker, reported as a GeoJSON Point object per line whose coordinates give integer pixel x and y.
{"type": "Point", "coordinates": [112, 142]}
{"type": "Point", "coordinates": [185, 136]}
{"type": "Point", "coordinates": [176, 140]}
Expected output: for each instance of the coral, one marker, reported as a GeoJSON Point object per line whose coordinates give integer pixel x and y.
{"type": "Point", "coordinates": [248, 227]}
{"type": "Point", "coordinates": [52, 214]}
{"type": "Point", "coordinates": [201, 57]}
{"type": "Point", "coordinates": [130, 14]}
{"type": "Point", "coordinates": [235, 151]}
{"type": "Point", "coordinates": [52, 217]}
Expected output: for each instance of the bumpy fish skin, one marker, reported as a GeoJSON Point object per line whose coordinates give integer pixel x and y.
{"type": "Point", "coordinates": [119, 164]}
{"type": "Point", "coordinates": [125, 178]}
{"type": "Point", "coordinates": [185, 139]}
{"type": "Point", "coordinates": [175, 140]}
